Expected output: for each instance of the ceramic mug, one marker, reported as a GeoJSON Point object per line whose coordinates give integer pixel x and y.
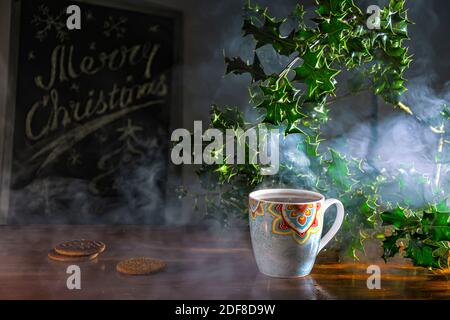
{"type": "Point", "coordinates": [286, 230]}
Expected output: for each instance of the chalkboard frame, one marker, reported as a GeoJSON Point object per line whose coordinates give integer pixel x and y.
{"type": "Point", "coordinates": [7, 115]}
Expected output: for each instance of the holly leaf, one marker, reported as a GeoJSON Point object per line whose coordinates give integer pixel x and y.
{"type": "Point", "coordinates": [311, 147]}
{"type": "Point", "coordinates": [437, 225]}
{"type": "Point", "coordinates": [399, 219]}
{"type": "Point", "coordinates": [269, 34]}
{"type": "Point", "coordinates": [338, 171]}
{"type": "Point", "coordinates": [368, 208]}
{"type": "Point", "coordinates": [428, 236]}
{"type": "Point", "coordinates": [282, 103]}
{"type": "Point", "coordinates": [422, 254]}
{"type": "Point", "coordinates": [329, 8]}
{"type": "Point", "coordinates": [299, 16]}
{"type": "Point", "coordinates": [390, 247]}
{"type": "Point", "coordinates": [443, 206]}
{"type": "Point", "coordinates": [336, 35]}
{"type": "Point", "coordinates": [316, 73]}
{"type": "Point", "coordinates": [356, 81]}
{"type": "Point", "coordinates": [238, 66]}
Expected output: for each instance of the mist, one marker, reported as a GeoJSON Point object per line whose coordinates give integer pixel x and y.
{"type": "Point", "coordinates": [213, 29]}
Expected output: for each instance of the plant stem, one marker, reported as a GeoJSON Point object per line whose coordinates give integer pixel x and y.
{"type": "Point", "coordinates": [289, 67]}
{"type": "Point", "coordinates": [405, 108]}
{"type": "Point", "coordinates": [347, 95]}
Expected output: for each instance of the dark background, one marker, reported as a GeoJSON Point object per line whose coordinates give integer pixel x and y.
{"type": "Point", "coordinates": [212, 27]}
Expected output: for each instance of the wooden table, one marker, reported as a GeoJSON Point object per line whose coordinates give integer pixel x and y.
{"type": "Point", "coordinates": [201, 265]}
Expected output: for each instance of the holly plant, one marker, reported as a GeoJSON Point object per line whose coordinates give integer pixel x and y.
{"type": "Point", "coordinates": [333, 49]}
{"type": "Point", "coordinates": [424, 237]}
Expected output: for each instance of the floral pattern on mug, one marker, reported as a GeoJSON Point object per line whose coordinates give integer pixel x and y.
{"type": "Point", "coordinates": [256, 209]}
{"type": "Point", "coordinates": [298, 221]}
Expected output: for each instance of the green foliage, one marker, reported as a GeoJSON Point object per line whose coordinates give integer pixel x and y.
{"type": "Point", "coordinates": [425, 236]}
{"type": "Point", "coordinates": [339, 41]}
{"type": "Point", "coordinates": [298, 97]}
{"type": "Point", "coordinates": [232, 118]}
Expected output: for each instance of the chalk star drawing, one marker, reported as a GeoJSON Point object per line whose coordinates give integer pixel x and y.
{"type": "Point", "coordinates": [115, 26]}
{"type": "Point", "coordinates": [74, 158]}
{"type": "Point", "coordinates": [101, 136]}
{"type": "Point", "coordinates": [75, 87]}
{"type": "Point", "coordinates": [153, 28]}
{"type": "Point", "coordinates": [45, 23]}
{"type": "Point", "coordinates": [89, 15]}
{"type": "Point", "coordinates": [129, 131]}
{"type": "Point", "coordinates": [152, 143]}
{"type": "Point", "coordinates": [31, 56]}
{"type": "Point", "coordinates": [93, 46]}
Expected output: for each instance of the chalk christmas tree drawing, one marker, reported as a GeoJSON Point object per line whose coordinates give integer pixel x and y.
{"type": "Point", "coordinates": [131, 148]}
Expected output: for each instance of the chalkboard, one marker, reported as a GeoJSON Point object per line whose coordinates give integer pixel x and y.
{"type": "Point", "coordinates": [91, 112]}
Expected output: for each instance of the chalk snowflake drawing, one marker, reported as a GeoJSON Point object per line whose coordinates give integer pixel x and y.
{"type": "Point", "coordinates": [115, 26]}
{"type": "Point", "coordinates": [46, 23]}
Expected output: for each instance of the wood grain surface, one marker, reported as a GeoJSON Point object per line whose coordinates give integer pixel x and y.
{"type": "Point", "coordinates": [200, 265]}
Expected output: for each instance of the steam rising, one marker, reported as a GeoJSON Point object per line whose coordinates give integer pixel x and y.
{"type": "Point", "coordinates": [401, 143]}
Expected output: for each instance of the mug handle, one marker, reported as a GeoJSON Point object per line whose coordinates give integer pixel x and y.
{"type": "Point", "coordinates": [337, 223]}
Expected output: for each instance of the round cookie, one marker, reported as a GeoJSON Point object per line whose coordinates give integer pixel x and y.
{"type": "Point", "coordinates": [53, 255]}
{"type": "Point", "coordinates": [140, 266]}
{"type": "Point", "coordinates": [80, 247]}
